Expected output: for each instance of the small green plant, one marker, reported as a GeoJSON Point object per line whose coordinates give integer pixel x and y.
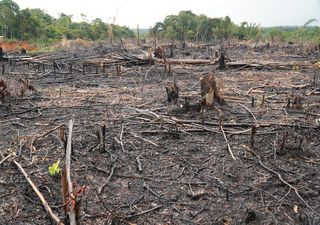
{"type": "Point", "coordinates": [55, 169]}
{"type": "Point", "coordinates": [295, 68]}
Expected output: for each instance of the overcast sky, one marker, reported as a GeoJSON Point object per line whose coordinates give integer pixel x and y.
{"type": "Point", "coordinates": [147, 12]}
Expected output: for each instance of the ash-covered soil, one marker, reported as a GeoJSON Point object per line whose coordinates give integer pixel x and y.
{"type": "Point", "coordinates": [164, 163]}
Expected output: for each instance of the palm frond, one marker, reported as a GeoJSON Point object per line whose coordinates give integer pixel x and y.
{"type": "Point", "coordinates": [309, 22]}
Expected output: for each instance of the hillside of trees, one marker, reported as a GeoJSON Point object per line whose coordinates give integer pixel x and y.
{"type": "Point", "coordinates": [37, 25]}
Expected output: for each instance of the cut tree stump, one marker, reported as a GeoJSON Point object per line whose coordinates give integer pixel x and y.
{"type": "Point", "coordinates": [209, 89]}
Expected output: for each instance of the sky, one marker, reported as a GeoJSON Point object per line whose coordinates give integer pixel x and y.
{"type": "Point", "coordinates": [147, 12]}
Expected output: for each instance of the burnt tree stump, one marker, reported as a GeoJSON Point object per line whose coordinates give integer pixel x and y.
{"type": "Point", "coordinates": [158, 53]}
{"type": "Point", "coordinates": [209, 89]}
{"type": "Point", "coordinates": [171, 52]}
{"type": "Point", "coordinates": [1, 54]}
{"type": "Point", "coordinates": [173, 91]}
{"type": "Point", "coordinates": [222, 61]}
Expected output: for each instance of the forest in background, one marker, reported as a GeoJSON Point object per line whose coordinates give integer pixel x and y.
{"type": "Point", "coordinates": [35, 25]}
{"type": "Point", "coordinates": [187, 26]}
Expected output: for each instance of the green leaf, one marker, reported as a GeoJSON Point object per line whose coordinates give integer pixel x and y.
{"type": "Point", "coordinates": [55, 168]}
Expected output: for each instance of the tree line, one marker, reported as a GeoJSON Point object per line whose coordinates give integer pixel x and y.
{"type": "Point", "coordinates": [36, 24]}
{"type": "Point", "coordinates": [187, 26]}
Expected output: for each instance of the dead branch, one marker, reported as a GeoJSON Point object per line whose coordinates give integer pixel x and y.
{"type": "Point", "coordinates": [143, 139]}
{"type": "Point", "coordinates": [187, 61]}
{"type": "Point", "coordinates": [268, 65]}
{"type": "Point", "coordinates": [140, 167]}
{"type": "Point", "coordinates": [147, 187]}
{"type": "Point", "coordinates": [109, 177]}
{"type": "Point", "coordinates": [144, 212]}
{"type": "Point", "coordinates": [102, 201]}
{"type": "Point", "coordinates": [70, 209]}
{"type": "Point", "coordinates": [121, 139]}
{"type": "Point", "coordinates": [5, 159]}
{"type": "Point", "coordinates": [227, 142]}
{"type": "Point", "coordinates": [280, 178]}
{"type": "Point", "coordinates": [53, 216]}
{"type": "Point", "coordinates": [224, 134]}
{"type": "Point", "coordinates": [249, 111]}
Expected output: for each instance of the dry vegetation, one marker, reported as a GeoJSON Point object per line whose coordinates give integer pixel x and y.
{"type": "Point", "coordinates": [240, 147]}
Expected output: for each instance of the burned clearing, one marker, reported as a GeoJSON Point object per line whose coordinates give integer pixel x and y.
{"type": "Point", "coordinates": [251, 158]}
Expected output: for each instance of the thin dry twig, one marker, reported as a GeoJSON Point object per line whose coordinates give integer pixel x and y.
{"type": "Point", "coordinates": [5, 159]}
{"type": "Point", "coordinates": [109, 177]}
{"type": "Point", "coordinates": [143, 139]}
{"type": "Point", "coordinates": [140, 167]}
{"type": "Point", "coordinates": [224, 134]}
{"type": "Point", "coordinates": [249, 111]}
{"type": "Point", "coordinates": [281, 179]}
{"type": "Point", "coordinates": [145, 212]}
{"type": "Point", "coordinates": [102, 201]}
{"type": "Point", "coordinates": [121, 139]}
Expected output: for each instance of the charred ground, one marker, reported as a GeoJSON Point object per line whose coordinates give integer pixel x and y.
{"type": "Point", "coordinates": [164, 163]}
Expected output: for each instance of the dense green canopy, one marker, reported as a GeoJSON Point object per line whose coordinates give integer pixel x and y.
{"type": "Point", "coordinates": [187, 26]}
{"type": "Point", "coordinates": [36, 24]}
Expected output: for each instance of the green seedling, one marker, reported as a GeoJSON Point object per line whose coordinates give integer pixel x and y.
{"type": "Point", "coordinates": [55, 169]}
{"type": "Point", "coordinates": [295, 68]}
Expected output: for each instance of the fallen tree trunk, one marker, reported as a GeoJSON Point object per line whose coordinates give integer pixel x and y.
{"type": "Point", "coordinates": [269, 65]}
{"type": "Point", "coordinates": [260, 65]}
{"type": "Point", "coordinates": [187, 61]}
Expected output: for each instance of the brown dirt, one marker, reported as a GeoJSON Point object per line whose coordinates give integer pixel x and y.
{"type": "Point", "coordinates": [14, 46]}
{"type": "Point", "coordinates": [188, 175]}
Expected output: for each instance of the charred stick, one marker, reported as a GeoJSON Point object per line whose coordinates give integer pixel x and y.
{"type": "Point", "coordinates": [151, 191]}
{"type": "Point", "coordinates": [282, 180]}
{"type": "Point", "coordinates": [109, 177]}
{"type": "Point", "coordinates": [103, 138]}
{"type": "Point", "coordinates": [144, 212]}
{"type": "Point", "coordinates": [253, 134]}
{"type": "Point", "coordinates": [140, 167]}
